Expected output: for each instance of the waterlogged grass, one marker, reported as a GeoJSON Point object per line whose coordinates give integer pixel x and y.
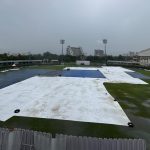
{"type": "Point", "coordinates": [135, 101]}
{"type": "Point", "coordinates": [54, 67]}
{"type": "Point", "coordinates": [132, 97]}
{"type": "Point", "coordinates": [50, 67]}
{"type": "Point", "coordinates": [66, 127]}
{"type": "Point", "coordinates": [59, 67]}
{"type": "Point", "coordinates": [142, 71]}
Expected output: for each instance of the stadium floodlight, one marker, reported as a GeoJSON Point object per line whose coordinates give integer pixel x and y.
{"type": "Point", "coordinates": [105, 43]}
{"type": "Point", "coordinates": [62, 42]}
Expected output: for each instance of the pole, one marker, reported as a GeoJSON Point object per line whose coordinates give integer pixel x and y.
{"type": "Point", "coordinates": [62, 42]}
{"type": "Point", "coordinates": [105, 42]}
{"type": "Point", "coordinates": [105, 55]}
{"type": "Point", "coordinates": [62, 54]}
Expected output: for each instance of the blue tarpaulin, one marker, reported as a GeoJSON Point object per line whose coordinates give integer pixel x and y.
{"type": "Point", "coordinates": [137, 75]}
{"type": "Point", "coordinates": [83, 73]}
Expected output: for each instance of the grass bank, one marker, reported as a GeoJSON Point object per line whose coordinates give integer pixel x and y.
{"type": "Point", "coordinates": [60, 67]}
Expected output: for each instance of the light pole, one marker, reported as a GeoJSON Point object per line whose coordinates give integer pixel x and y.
{"type": "Point", "coordinates": [105, 43]}
{"type": "Point", "coordinates": [62, 42]}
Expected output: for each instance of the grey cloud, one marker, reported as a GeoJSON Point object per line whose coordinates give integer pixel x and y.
{"type": "Point", "coordinates": [38, 25]}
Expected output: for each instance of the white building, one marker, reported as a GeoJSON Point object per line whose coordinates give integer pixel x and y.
{"type": "Point", "coordinates": [131, 54]}
{"type": "Point", "coordinates": [74, 51]}
{"type": "Point", "coordinates": [98, 52]}
{"type": "Point", "coordinates": [144, 57]}
{"type": "Point", "coordinates": [83, 62]}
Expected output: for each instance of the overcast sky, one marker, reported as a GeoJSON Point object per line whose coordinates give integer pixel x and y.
{"type": "Point", "coordinates": [38, 25]}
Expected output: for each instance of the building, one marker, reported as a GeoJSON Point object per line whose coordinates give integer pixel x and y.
{"type": "Point", "coordinates": [122, 63]}
{"type": "Point", "coordinates": [19, 63]}
{"type": "Point", "coordinates": [98, 52]}
{"type": "Point", "coordinates": [74, 51]}
{"type": "Point", "coordinates": [144, 57]}
{"type": "Point", "coordinates": [55, 62]}
{"type": "Point", "coordinates": [83, 62]}
{"type": "Point", "coordinates": [131, 54]}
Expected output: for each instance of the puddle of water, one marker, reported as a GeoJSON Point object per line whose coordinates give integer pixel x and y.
{"type": "Point", "coordinates": [146, 103]}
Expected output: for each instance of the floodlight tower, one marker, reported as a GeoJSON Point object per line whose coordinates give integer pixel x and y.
{"type": "Point", "coordinates": [105, 43]}
{"type": "Point", "coordinates": [62, 42]}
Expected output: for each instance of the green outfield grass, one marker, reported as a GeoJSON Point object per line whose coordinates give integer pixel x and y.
{"type": "Point", "coordinates": [142, 71]}
{"type": "Point", "coordinates": [53, 67]}
{"type": "Point", "coordinates": [60, 67]}
{"type": "Point", "coordinates": [134, 98]}
{"type": "Point", "coordinates": [50, 67]}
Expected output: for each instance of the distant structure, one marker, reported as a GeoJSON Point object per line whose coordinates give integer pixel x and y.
{"type": "Point", "coordinates": [20, 63]}
{"type": "Point", "coordinates": [98, 52]}
{"type": "Point", "coordinates": [144, 57]}
{"type": "Point", "coordinates": [55, 61]}
{"type": "Point", "coordinates": [131, 54]}
{"type": "Point", "coordinates": [74, 51]}
{"type": "Point", "coordinates": [122, 63]}
{"type": "Point", "coordinates": [83, 62]}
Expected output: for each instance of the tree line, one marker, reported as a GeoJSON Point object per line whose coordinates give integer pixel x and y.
{"type": "Point", "coordinates": [66, 58]}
